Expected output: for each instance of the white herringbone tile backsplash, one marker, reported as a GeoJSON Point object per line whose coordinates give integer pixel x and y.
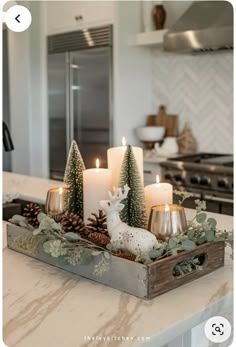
{"type": "Point", "coordinates": [199, 89]}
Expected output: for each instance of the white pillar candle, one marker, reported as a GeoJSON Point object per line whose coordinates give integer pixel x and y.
{"type": "Point", "coordinates": [157, 194]}
{"type": "Point", "coordinates": [115, 158]}
{"type": "Point", "coordinates": [97, 183]}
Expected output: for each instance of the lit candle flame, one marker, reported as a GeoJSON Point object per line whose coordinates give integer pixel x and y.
{"type": "Point", "coordinates": [60, 190]}
{"type": "Point", "coordinates": [167, 208]}
{"type": "Point", "coordinates": [97, 163]}
{"type": "Point", "coordinates": [123, 141]}
{"type": "Point", "coordinates": [157, 179]}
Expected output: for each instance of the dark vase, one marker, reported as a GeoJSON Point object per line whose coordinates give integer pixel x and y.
{"type": "Point", "coordinates": [159, 16]}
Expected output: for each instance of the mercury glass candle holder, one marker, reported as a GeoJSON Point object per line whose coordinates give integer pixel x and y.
{"type": "Point", "coordinates": [167, 221]}
{"type": "Point", "coordinates": [55, 203]}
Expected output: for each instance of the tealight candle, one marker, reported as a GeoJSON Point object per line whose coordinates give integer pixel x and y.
{"type": "Point", "coordinates": [97, 183]}
{"type": "Point", "coordinates": [115, 158]}
{"type": "Point", "coordinates": [55, 203]}
{"type": "Point", "coordinates": [158, 194]}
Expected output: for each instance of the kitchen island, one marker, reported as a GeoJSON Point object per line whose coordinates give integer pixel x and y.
{"type": "Point", "coordinates": [45, 306]}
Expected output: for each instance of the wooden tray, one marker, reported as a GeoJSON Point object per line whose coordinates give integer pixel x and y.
{"type": "Point", "coordinates": [144, 281]}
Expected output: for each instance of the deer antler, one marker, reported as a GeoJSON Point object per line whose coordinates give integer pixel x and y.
{"type": "Point", "coordinates": [118, 194]}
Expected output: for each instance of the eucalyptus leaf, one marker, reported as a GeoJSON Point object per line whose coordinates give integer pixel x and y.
{"type": "Point", "coordinates": [107, 255]}
{"type": "Point", "coordinates": [201, 217]}
{"type": "Point", "coordinates": [188, 245]}
{"type": "Point", "coordinates": [210, 235]}
{"type": "Point", "coordinates": [172, 243]}
{"type": "Point", "coordinates": [201, 240]}
{"type": "Point", "coordinates": [96, 253]}
{"type": "Point", "coordinates": [212, 223]}
{"type": "Point", "coordinates": [147, 261]}
{"type": "Point", "coordinates": [70, 236]}
{"type": "Point", "coordinates": [41, 216]}
{"type": "Point", "coordinates": [155, 254]}
{"type": "Point", "coordinates": [190, 234]}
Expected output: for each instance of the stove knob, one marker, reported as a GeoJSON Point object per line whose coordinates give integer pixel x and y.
{"type": "Point", "coordinates": [222, 182]}
{"type": "Point", "coordinates": [178, 178]}
{"type": "Point", "coordinates": [205, 181]}
{"type": "Point", "coordinates": [195, 179]}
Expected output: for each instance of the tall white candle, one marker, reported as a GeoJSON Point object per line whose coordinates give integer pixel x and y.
{"type": "Point", "coordinates": [97, 183]}
{"type": "Point", "coordinates": [115, 158]}
{"type": "Point", "coordinates": [157, 194]}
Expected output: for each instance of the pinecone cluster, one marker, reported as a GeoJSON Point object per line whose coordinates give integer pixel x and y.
{"type": "Point", "coordinates": [31, 212]}
{"type": "Point", "coordinates": [97, 229]}
{"type": "Point", "coordinates": [72, 222]}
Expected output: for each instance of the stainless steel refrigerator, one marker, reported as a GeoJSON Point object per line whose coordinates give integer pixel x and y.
{"type": "Point", "coordinates": [80, 96]}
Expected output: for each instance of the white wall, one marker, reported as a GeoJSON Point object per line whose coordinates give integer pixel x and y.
{"type": "Point", "coordinates": [28, 95]}
{"type": "Point", "coordinates": [132, 74]}
{"type": "Point", "coordinates": [199, 89]}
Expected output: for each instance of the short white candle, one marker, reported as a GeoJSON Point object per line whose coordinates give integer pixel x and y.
{"type": "Point", "coordinates": [97, 183]}
{"type": "Point", "coordinates": [158, 194]}
{"type": "Point", "coordinates": [115, 158]}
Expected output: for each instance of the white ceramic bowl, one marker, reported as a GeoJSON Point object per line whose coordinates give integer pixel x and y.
{"type": "Point", "coordinates": [150, 133]}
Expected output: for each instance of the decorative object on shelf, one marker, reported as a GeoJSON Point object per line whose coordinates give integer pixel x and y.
{"type": "Point", "coordinates": [133, 213]}
{"type": "Point", "coordinates": [170, 122]}
{"type": "Point", "coordinates": [97, 182]}
{"type": "Point", "coordinates": [72, 222]}
{"type": "Point", "coordinates": [167, 221]}
{"type": "Point", "coordinates": [157, 194]}
{"type": "Point", "coordinates": [31, 212]}
{"type": "Point", "coordinates": [74, 181]}
{"type": "Point", "coordinates": [55, 203]}
{"type": "Point", "coordinates": [124, 237]}
{"type": "Point", "coordinates": [149, 135]}
{"type": "Point", "coordinates": [168, 148]}
{"type": "Point", "coordinates": [159, 16]}
{"type": "Point", "coordinates": [98, 222]}
{"type": "Point", "coordinates": [186, 141]}
{"type": "Point", "coordinates": [115, 157]}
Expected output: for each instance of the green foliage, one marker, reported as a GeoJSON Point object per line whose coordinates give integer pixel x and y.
{"type": "Point", "coordinates": [74, 181]}
{"type": "Point", "coordinates": [188, 245]}
{"type": "Point", "coordinates": [70, 236]}
{"type": "Point", "coordinates": [189, 265]}
{"type": "Point", "coordinates": [201, 218]}
{"type": "Point", "coordinates": [134, 212]}
{"type": "Point", "coordinates": [20, 221]}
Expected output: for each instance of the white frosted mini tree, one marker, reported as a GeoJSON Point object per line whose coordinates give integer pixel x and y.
{"type": "Point", "coordinates": [74, 181]}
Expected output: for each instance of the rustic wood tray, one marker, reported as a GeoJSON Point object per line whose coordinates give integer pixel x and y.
{"type": "Point", "coordinates": [144, 281]}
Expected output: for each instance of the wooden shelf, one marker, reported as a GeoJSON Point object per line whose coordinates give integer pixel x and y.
{"type": "Point", "coordinates": [152, 38]}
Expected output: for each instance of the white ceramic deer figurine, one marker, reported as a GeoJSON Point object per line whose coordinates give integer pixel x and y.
{"type": "Point", "coordinates": [134, 240]}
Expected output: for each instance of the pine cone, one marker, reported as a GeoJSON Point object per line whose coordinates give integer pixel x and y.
{"type": "Point", "coordinates": [31, 212]}
{"type": "Point", "coordinates": [99, 239]}
{"type": "Point", "coordinates": [73, 222]}
{"type": "Point", "coordinates": [126, 255]}
{"type": "Point", "coordinates": [98, 223]}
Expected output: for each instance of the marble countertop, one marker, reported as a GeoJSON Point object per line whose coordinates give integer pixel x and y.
{"type": "Point", "coordinates": [45, 306]}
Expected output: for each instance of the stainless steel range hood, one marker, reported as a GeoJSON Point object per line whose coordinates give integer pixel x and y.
{"type": "Point", "coordinates": [205, 26]}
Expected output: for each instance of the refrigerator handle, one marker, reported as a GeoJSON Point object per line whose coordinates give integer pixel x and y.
{"type": "Point", "coordinates": [70, 88]}
{"type": "Point", "coordinates": [68, 111]}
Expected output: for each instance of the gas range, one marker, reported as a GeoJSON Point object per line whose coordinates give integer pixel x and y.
{"type": "Point", "coordinates": [208, 176]}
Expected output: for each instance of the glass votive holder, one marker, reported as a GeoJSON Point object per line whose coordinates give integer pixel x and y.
{"type": "Point", "coordinates": [167, 221]}
{"type": "Point", "coordinates": [55, 203]}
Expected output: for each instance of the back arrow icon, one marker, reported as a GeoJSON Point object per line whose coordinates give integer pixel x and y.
{"type": "Point", "coordinates": [17, 18]}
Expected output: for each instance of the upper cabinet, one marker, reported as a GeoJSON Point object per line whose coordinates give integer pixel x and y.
{"type": "Point", "coordinates": [65, 16]}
